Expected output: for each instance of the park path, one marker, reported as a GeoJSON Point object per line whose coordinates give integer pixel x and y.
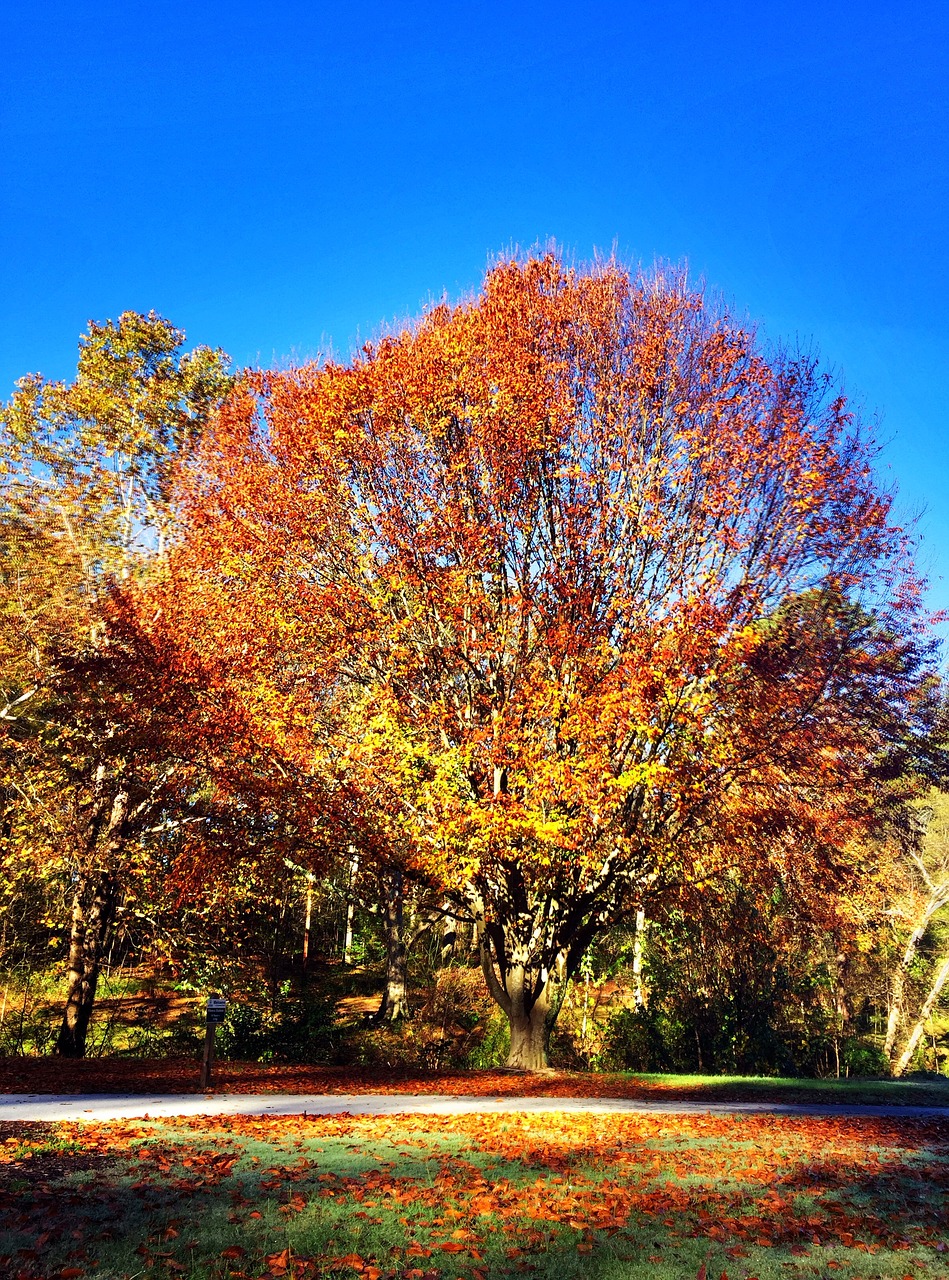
{"type": "Point", "coordinates": [96, 1107]}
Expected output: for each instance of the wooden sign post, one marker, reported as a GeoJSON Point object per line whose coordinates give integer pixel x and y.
{"type": "Point", "coordinates": [214, 1013]}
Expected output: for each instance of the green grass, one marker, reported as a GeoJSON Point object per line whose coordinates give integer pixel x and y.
{"type": "Point", "coordinates": [551, 1196]}
{"type": "Point", "coordinates": [933, 1091]}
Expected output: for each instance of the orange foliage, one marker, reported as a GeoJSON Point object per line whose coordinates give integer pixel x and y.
{"type": "Point", "coordinates": [495, 1189]}
{"type": "Point", "coordinates": [571, 591]}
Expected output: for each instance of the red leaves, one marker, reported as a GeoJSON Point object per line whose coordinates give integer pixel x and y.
{"type": "Point", "coordinates": [368, 1270]}
{"type": "Point", "coordinates": [350, 1260]}
{"type": "Point", "coordinates": [296, 1204]}
{"type": "Point", "coordinates": [170, 1075]}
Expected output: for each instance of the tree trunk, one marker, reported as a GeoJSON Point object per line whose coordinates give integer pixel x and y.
{"type": "Point", "coordinates": [915, 1035]}
{"type": "Point", "coordinates": [394, 1005]}
{"type": "Point", "coordinates": [530, 1034]}
{"type": "Point", "coordinates": [95, 904]}
{"type": "Point", "coordinates": [276, 952]}
{"type": "Point", "coordinates": [449, 939]}
{"type": "Point", "coordinates": [529, 983]}
{"type": "Point", "coordinates": [531, 1016]}
{"type": "Point", "coordinates": [308, 920]}
{"type": "Point", "coordinates": [639, 990]}
{"type": "Point", "coordinates": [898, 986]}
{"type": "Point", "coordinates": [350, 906]}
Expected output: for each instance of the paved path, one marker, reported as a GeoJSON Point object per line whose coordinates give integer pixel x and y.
{"type": "Point", "coordinates": [99, 1106]}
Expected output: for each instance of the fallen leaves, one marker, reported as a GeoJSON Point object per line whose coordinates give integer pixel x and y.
{"type": "Point", "coordinates": [489, 1195]}
{"type": "Point", "coordinates": [181, 1076]}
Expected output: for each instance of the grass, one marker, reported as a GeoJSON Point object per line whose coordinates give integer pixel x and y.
{"type": "Point", "coordinates": [932, 1091]}
{"type": "Point", "coordinates": [556, 1197]}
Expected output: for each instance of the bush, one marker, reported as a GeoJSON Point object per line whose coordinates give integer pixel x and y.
{"type": "Point", "coordinates": [634, 1040]}
{"type": "Point", "coordinates": [861, 1057]}
{"type": "Point", "coordinates": [182, 1040]}
{"type": "Point", "coordinates": [495, 1042]}
{"type": "Point", "coordinates": [395, 1045]}
{"type": "Point", "coordinates": [453, 1028]}
{"type": "Point", "coordinates": [296, 1029]}
{"type": "Point", "coordinates": [457, 999]}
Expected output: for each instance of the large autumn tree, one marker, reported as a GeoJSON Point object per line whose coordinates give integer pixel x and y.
{"type": "Point", "coordinates": [564, 582]}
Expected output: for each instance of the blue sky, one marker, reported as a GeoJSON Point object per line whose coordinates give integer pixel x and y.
{"type": "Point", "coordinates": [282, 179]}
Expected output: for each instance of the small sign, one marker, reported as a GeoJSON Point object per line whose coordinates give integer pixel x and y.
{"type": "Point", "coordinates": [216, 1009]}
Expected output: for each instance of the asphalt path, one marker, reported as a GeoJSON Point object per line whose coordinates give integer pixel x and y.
{"type": "Point", "coordinates": [96, 1107]}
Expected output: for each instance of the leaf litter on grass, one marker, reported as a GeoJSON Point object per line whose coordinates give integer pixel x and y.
{"type": "Point", "coordinates": [476, 1196]}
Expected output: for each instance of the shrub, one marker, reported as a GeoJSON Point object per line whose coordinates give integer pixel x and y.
{"type": "Point", "coordinates": [296, 1029]}
{"type": "Point", "coordinates": [634, 1040]}
{"type": "Point", "coordinates": [492, 1048]}
{"type": "Point", "coordinates": [448, 1031]}
{"type": "Point", "coordinates": [861, 1057]}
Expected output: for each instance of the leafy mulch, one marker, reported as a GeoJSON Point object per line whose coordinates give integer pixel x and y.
{"type": "Point", "coordinates": [482, 1198]}
{"type": "Point", "coordinates": [181, 1075]}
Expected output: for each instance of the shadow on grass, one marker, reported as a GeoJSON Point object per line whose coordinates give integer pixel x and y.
{"type": "Point", "coordinates": [442, 1201]}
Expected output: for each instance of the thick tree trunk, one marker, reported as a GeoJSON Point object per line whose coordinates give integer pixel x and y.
{"type": "Point", "coordinates": [528, 981]}
{"type": "Point", "coordinates": [531, 1014]}
{"type": "Point", "coordinates": [530, 1035]}
{"type": "Point", "coordinates": [395, 1004]}
{"type": "Point", "coordinates": [95, 905]}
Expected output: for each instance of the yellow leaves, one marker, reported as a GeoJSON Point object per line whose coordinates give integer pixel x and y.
{"type": "Point", "coordinates": [648, 773]}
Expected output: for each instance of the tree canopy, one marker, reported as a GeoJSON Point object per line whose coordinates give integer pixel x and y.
{"type": "Point", "coordinates": [578, 588]}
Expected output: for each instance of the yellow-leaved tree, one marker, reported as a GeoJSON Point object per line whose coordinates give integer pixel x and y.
{"type": "Point", "coordinates": [85, 475]}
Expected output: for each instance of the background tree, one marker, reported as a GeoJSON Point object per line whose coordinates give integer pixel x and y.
{"type": "Point", "coordinates": [919, 919]}
{"type": "Point", "coordinates": [563, 580]}
{"type": "Point", "coordinates": [85, 504]}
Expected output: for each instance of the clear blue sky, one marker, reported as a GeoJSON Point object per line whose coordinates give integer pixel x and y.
{"type": "Point", "coordinates": [281, 178]}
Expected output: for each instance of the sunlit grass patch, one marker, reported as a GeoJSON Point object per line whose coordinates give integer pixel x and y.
{"type": "Point", "coordinates": [17, 1148]}
{"type": "Point", "coordinates": [930, 1091]}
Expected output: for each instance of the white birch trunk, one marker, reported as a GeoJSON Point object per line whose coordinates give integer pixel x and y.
{"type": "Point", "coordinates": [915, 1035]}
